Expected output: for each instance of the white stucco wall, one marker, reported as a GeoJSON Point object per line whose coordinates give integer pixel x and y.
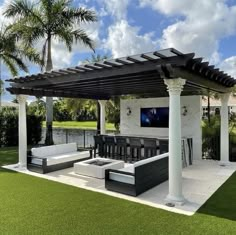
{"type": "Point", "coordinates": [191, 123]}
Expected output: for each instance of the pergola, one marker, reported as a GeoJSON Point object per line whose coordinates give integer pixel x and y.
{"type": "Point", "coordinates": [156, 74]}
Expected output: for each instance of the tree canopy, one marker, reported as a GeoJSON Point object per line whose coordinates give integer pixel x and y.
{"type": "Point", "coordinates": [14, 54]}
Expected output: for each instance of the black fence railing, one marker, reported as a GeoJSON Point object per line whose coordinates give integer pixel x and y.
{"type": "Point", "coordinates": [83, 137]}
{"type": "Point", "coordinates": [211, 147]}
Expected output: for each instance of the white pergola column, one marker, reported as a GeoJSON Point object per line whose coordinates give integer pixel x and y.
{"type": "Point", "coordinates": [224, 129]}
{"type": "Point", "coordinates": [102, 116]}
{"type": "Point", "coordinates": [22, 131]}
{"type": "Point", "coordinates": [175, 87]}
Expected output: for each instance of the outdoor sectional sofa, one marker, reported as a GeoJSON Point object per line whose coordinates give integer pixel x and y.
{"type": "Point", "coordinates": [56, 157]}
{"type": "Point", "coordinates": [139, 177]}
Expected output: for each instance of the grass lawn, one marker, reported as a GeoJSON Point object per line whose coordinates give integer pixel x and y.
{"type": "Point", "coordinates": [31, 205]}
{"type": "Point", "coordinates": [80, 125]}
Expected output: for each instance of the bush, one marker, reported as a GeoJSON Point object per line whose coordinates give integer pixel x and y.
{"type": "Point", "coordinates": [60, 111]}
{"type": "Point", "coordinates": [113, 112]}
{"type": "Point", "coordinates": [34, 129]}
{"type": "Point", "coordinates": [212, 128]}
{"type": "Point", "coordinates": [9, 127]}
{"type": "Point", "coordinates": [211, 135]}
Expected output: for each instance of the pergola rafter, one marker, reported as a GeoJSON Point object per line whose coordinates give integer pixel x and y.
{"type": "Point", "coordinates": [137, 74]}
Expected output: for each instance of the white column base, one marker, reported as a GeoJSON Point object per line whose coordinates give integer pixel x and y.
{"type": "Point", "coordinates": [180, 201]}
{"type": "Point", "coordinates": [21, 166]}
{"type": "Point", "coordinates": [224, 163]}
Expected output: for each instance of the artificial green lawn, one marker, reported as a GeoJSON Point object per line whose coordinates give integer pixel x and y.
{"type": "Point", "coordinates": [31, 205]}
{"type": "Point", "coordinates": [80, 125]}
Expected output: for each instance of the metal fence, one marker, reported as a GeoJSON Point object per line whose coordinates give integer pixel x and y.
{"type": "Point", "coordinates": [83, 137]}
{"type": "Point", "coordinates": [211, 147]}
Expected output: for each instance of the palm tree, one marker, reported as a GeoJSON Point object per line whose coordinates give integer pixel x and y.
{"type": "Point", "coordinates": [49, 20]}
{"type": "Point", "coordinates": [13, 54]}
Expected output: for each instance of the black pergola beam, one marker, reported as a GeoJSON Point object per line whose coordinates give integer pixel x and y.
{"type": "Point", "coordinates": [113, 79]}
{"type": "Point", "coordinates": [123, 81]}
{"type": "Point", "coordinates": [50, 93]}
{"type": "Point", "coordinates": [201, 81]}
{"type": "Point", "coordinates": [137, 74]}
{"type": "Point", "coordinates": [124, 70]}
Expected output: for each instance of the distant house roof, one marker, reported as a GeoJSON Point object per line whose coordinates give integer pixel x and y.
{"type": "Point", "coordinates": [8, 104]}
{"type": "Point", "coordinates": [217, 102]}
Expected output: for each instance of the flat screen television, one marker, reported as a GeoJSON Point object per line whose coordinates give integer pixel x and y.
{"type": "Point", "coordinates": [155, 117]}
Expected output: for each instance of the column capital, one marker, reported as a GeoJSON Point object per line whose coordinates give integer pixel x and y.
{"type": "Point", "coordinates": [175, 86]}
{"type": "Point", "coordinates": [102, 102]}
{"type": "Point", "coordinates": [225, 97]}
{"type": "Point", "coordinates": [21, 98]}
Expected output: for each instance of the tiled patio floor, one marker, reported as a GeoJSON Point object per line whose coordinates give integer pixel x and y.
{"type": "Point", "coordinates": [200, 181]}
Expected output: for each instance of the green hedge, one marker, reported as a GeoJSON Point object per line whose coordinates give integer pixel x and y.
{"type": "Point", "coordinates": [9, 128]}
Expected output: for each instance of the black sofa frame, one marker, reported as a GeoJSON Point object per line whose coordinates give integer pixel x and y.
{"type": "Point", "coordinates": [44, 168]}
{"type": "Point", "coordinates": [146, 177]}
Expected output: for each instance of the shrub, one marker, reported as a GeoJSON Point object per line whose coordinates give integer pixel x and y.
{"type": "Point", "coordinates": [34, 129]}
{"type": "Point", "coordinates": [9, 127]}
{"type": "Point", "coordinates": [211, 137]}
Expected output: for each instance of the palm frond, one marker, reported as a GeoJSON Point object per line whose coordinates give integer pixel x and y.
{"type": "Point", "coordinates": [10, 64]}
{"type": "Point", "coordinates": [79, 15]}
{"type": "Point", "coordinates": [66, 36]}
{"type": "Point", "coordinates": [23, 9]}
{"type": "Point", "coordinates": [18, 61]}
{"type": "Point", "coordinates": [28, 33]}
{"type": "Point", "coordinates": [14, 53]}
{"type": "Point", "coordinates": [81, 36]}
{"type": "Point", "coordinates": [17, 8]}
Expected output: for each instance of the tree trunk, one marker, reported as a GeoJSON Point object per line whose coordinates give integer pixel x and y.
{"type": "Point", "coordinates": [49, 100]}
{"type": "Point", "coordinates": [98, 119]}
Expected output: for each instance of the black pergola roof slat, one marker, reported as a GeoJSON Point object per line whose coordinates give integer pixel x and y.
{"type": "Point", "coordinates": [90, 66]}
{"type": "Point", "coordinates": [127, 75]}
{"type": "Point", "coordinates": [102, 65]}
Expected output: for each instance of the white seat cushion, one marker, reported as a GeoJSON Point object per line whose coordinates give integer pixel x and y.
{"type": "Point", "coordinates": [54, 150]}
{"type": "Point", "coordinates": [52, 160]}
{"type": "Point", "coordinates": [151, 159]}
{"type": "Point", "coordinates": [128, 179]}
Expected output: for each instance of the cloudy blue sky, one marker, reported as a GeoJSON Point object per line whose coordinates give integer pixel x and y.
{"type": "Point", "coordinates": [126, 27]}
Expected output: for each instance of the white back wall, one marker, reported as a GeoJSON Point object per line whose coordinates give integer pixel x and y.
{"type": "Point", "coordinates": [191, 123]}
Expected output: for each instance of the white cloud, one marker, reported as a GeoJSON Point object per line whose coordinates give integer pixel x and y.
{"type": "Point", "coordinates": [204, 23]}
{"type": "Point", "coordinates": [124, 39]}
{"type": "Point", "coordinates": [117, 8]}
{"type": "Point", "coordinates": [229, 66]}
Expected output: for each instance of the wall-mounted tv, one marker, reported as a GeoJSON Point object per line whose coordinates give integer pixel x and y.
{"type": "Point", "coordinates": [155, 117]}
